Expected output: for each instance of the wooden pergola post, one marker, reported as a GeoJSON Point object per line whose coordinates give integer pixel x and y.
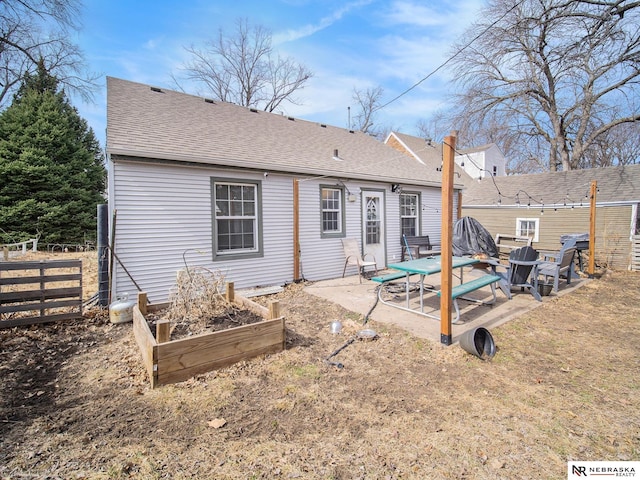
{"type": "Point", "coordinates": [296, 230]}
{"type": "Point", "coordinates": [592, 229]}
{"type": "Point", "coordinates": [448, 155]}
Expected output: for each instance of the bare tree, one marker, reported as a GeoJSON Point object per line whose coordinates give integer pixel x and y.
{"type": "Point", "coordinates": [33, 31]}
{"type": "Point", "coordinates": [433, 128]}
{"type": "Point", "coordinates": [367, 103]}
{"type": "Point", "coordinates": [244, 69]}
{"type": "Point", "coordinates": [619, 146]}
{"type": "Point", "coordinates": [559, 73]}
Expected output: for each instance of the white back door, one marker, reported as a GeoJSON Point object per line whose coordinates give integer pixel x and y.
{"type": "Point", "coordinates": [374, 226]}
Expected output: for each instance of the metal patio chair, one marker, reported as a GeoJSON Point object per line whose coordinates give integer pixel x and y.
{"type": "Point", "coordinates": [353, 257]}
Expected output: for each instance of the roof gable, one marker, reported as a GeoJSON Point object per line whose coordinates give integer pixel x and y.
{"type": "Point", "coordinates": [423, 150]}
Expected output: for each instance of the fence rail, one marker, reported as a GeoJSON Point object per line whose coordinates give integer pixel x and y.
{"type": "Point", "coordinates": [635, 253]}
{"type": "Point", "coordinates": [40, 291]}
{"type": "Point", "coordinates": [20, 246]}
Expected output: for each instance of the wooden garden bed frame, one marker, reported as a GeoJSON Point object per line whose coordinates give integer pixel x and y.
{"type": "Point", "coordinates": [171, 361]}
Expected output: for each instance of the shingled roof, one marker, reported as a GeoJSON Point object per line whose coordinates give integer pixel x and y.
{"type": "Point", "coordinates": [425, 151]}
{"type": "Point", "coordinates": [153, 123]}
{"type": "Point", "coordinates": [615, 185]}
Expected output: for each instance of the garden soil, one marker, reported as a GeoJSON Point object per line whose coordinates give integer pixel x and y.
{"type": "Point", "coordinates": [75, 400]}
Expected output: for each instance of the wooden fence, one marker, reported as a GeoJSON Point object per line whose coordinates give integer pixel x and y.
{"type": "Point", "coordinates": [40, 291]}
{"type": "Point", "coordinates": [635, 253]}
{"type": "Point", "coordinates": [22, 246]}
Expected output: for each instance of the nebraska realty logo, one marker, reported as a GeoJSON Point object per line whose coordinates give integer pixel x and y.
{"type": "Point", "coordinates": [603, 469]}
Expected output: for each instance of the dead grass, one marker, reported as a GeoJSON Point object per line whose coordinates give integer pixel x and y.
{"type": "Point", "coordinates": [562, 386]}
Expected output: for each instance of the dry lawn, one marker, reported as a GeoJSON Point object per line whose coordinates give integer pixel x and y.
{"type": "Point", "coordinates": [563, 385]}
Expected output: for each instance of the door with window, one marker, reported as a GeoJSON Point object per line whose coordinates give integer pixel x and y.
{"type": "Point", "coordinates": [374, 226]}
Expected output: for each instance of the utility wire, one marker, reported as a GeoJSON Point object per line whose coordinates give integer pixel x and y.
{"type": "Point", "coordinates": [442, 65]}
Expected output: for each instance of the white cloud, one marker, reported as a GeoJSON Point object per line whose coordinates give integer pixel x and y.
{"type": "Point", "coordinates": [409, 13]}
{"type": "Point", "coordinates": [453, 17]}
{"type": "Point", "coordinates": [151, 44]}
{"type": "Point", "coordinates": [309, 29]}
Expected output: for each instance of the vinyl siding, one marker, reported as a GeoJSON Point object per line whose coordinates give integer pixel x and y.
{"type": "Point", "coordinates": [613, 246]}
{"type": "Point", "coordinates": [323, 258]}
{"type": "Point", "coordinates": [164, 220]}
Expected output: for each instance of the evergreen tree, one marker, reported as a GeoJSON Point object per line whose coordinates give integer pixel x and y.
{"type": "Point", "coordinates": [52, 172]}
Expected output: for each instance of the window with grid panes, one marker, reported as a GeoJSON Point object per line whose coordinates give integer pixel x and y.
{"type": "Point", "coordinates": [409, 211]}
{"type": "Point", "coordinates": [236, 217]}
{"type": "Point", "coordinates": [332, 211]}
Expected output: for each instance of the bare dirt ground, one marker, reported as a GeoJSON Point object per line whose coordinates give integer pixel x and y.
{"type": "Point", "coordinates": [563, 385]}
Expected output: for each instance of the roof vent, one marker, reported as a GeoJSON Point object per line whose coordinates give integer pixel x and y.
{"type": "Point", "coordinates": [351, 131]}
{"type": "Point", "coordinates": [156, 89]}
{"type": "Point", "coordinates": [291, 118]}
{"type": "Point", "coordinates": [208, 100]}
{"type": "Point", "coordinates": [254, 110]}
{"type": "Point", "coordinates": [323, 125]}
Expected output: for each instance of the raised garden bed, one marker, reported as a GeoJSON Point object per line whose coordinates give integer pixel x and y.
{"type": "Point", "coordinates": [170, 361]}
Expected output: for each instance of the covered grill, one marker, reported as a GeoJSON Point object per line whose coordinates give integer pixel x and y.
{"type": "Point", "coordinates": [471, 238]}
{"type": "Point", "coordinates": [582, 243]}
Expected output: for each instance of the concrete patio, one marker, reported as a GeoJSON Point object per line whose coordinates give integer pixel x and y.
{"type": "Point", "coordinates": [361, 297]}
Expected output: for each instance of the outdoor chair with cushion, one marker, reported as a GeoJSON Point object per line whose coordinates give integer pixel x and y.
{"type": "Point", "coordinates": [522, 271]}
{"type": "Point", "coordinates": [556, 264]}
{"type": "Point", "coordinates": [353, 257]}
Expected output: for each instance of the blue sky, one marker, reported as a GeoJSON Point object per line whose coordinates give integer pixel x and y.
{"type": "Point", "coordinates": [359, 43]}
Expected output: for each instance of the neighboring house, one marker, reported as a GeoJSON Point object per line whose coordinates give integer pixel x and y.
{"type": "Point", "coordinates": [429, 154]}
{"type": "Point", "coordinates": [199, 182]}
{"type": "Point", "coordinates": [548, 205]}
{"type": "Point", "coordinates": [483, 161]}
{"type": "Point", "coordinates": [423, 150]}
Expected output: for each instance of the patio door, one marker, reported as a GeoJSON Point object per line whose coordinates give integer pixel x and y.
{"type": "Point", "coordinates": [373, 226]}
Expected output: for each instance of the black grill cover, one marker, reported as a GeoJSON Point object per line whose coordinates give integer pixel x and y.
{"type": "Point", "coordinates": [470, 238]}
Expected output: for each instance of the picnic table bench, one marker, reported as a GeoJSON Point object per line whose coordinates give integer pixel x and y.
{"type": "Point", "coordinates": [459, 290]}
{"type": "Point", "coordinates": [429, 266]}
{"type": "Point", "coordinates": [389, 277]}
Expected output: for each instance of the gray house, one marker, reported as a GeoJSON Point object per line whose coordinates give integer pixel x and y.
{"type": "Point", "coordinates": [261, 197]}
{"type": "Point", "coordinates": [548, 205]}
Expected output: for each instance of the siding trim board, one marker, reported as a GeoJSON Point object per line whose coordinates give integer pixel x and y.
{"type": "Point", "coordinates": [551, 206]}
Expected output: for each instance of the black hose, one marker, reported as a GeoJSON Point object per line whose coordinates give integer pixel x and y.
{"type": "Point", "coordinates": [389, 287]}
{"type": "Point", "coordinates": [338, 364]}
{"type": "Point", "coordinates": [366, 317]}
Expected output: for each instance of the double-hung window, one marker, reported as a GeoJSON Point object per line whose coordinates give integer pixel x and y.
{"type": "Point", "coordinates": [236, 215]}
{"type": "Point", "coordinates": [409, 213]}
{"type": "Point", "coordinates": [332, 208]}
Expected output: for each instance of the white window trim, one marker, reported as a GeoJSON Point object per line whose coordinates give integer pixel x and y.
{"type": "Point", "coordinates": [416, 215]}
{"type": "Point", "coordinates": [536, 222]}
{"type": "Point", "coordinates": [340, 211]}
